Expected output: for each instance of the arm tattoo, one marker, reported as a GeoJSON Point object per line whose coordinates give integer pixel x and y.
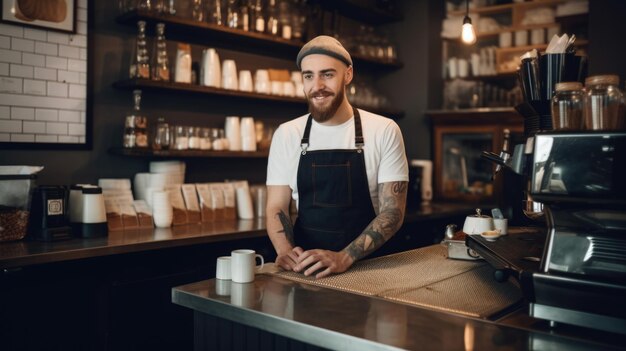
{"type": "Point", "coordinates": [287, 226]}
{"type": "Point", "coordinates": [392, 200]}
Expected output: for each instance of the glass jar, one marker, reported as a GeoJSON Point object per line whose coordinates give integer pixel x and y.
{"type": "Point", "coordinates": [136, 125]}
{"type": "Point", "coordinates": [194, 138]}
{"type": "Point", "coordinates": [181, 140]}
{"type": "Point", "coordinates": [567, 106]}
{"type": "Point", "coordinates": [206, 142]}
{"type": "Point", "coordinates": [162, 138]}
{"type": "Point", "coordinates": [603, 100]}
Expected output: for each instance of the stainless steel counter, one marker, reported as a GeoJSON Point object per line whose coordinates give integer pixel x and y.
{"type": "Point", "coordinates": [341, 320]}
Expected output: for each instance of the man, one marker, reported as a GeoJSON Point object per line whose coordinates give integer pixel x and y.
{"type": "Point", "coordinates": [345, 168]}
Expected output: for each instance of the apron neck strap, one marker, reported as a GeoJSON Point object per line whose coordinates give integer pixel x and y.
{"type": "Point", "coordinates": [358, 131]}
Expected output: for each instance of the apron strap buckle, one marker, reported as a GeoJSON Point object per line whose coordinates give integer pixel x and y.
{"type": "Point", "coordinates": [304, 147]}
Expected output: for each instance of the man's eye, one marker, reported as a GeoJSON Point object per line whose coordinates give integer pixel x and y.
{"type": "Point", "coordinates": [307, 76]}
{"type": "Point", "coordinates": [328, 75]}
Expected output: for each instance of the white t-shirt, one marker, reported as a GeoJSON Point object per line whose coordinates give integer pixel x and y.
{"type": "Point", "coordinates": [385, 158]}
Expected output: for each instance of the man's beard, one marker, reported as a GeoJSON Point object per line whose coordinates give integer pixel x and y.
{"type": "Point", "coordinates": [324, 113]}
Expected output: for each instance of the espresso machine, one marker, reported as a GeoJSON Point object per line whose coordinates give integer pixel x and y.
{"type": "Point", "coordinates": [581, 280]}
{"type": "Point", "coordinates": [575, 197]}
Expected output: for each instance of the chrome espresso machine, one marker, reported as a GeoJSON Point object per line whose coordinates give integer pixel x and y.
{"type": "Point", "coordinates": [575, 185]}
{"type": "Point", "coordinates": [580, 179]}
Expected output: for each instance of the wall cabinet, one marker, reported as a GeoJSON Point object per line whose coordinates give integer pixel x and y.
{"type": "Point", "coordinates": [459, 137]}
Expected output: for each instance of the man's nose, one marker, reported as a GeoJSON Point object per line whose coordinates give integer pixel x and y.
{"type": "Point", "coordinates": [318, 83]}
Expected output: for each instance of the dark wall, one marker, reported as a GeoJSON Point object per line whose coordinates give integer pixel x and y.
{"type": "Point", "coordinates": [407, 89]}
{"type": "Point", "coordinates": [607, 30]}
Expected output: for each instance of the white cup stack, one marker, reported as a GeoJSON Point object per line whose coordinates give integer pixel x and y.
{"type": "Point", "coordinates": [233, 133]}
{"type": "Point", "coordinates": [262, 81]}
{"type": "Point", "coordinates": [210, 71]}
{"type": "Point", "coordinates": [162, 210]}
{"type": "Point", "coordinates": [245, 81]}
{"type": "Point", "coordinates": [229, 75]}
{"type": "Point", "coordinates": [248, 134]}
{"type": "Point", "coordinates": [289, 89]}
{"type": "Point", "coordinates": [245, 209]}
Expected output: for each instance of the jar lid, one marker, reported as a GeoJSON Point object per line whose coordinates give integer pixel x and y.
{"type": "Point", "coordinates": [568, 86]}
{"type": "Point", "coordinates": [611, 79]}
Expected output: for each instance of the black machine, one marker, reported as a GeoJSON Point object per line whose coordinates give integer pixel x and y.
{"type": "Point", "coordinates": [574, 190]}
{"type": "Point", "coordinates": [48, 216]}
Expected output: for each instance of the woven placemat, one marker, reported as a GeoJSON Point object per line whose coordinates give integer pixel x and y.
{"type": "Point", "coordinates": [423, 277]}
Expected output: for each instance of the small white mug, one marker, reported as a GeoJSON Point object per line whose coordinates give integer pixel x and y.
{"type": "Point", "coordinates": [501, 224]}
{"type": "Point", "coordinates": [222, 269]}
{"type": "Point", "coordinates": [243, 266]}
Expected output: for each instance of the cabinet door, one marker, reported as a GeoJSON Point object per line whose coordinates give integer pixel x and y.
{"type": "Point", "coordinates": [460, 172]}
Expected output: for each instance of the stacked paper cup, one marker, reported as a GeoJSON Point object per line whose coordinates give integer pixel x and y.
{"type": "Point", "coordinates": [162, 209]}
{"type": "Point", "coordinates": [248, 134]}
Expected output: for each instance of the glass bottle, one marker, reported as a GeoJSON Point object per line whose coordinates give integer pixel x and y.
{"type": "Point", "coordinates": [161, 140]}
{"type": "Point", "coordinates": [206, 141]}
{"type": "Point", "coordinates": [245, 15]}
{"type": "Point", "coordinates": [136, 125]}
{"type": "Point", "coordinates": [298, 19]}
{"type": "Point", "coordinates": [567, 106]}
{"type": "Point", "coordinates": [160, 61]}
{"type": "Point", "coordinates": [195, 138]}
{"type": "Point", "coordinates": [182, 138]}
{"type": "Point", "coordinates": [603, 100]}
{"type": "Point", "coordinates": [284, 19]}
{"type": "Point", "coordinates": [197, 11]}
{"type": "Point", "coordinates": [272, 18]}
{"type": "Point", "coordinates": [258, 17]}
{"type": "Point", "coordinates": [232, 14]}
{"type": "Point", "coordinates": [140, 66]}
{"type": "Point", "coordinates": [214, 12]}
{"type": "Point", "coordinates": [144, 5]}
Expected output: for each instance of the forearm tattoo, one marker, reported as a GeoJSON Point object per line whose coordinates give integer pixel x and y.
{"type": "Point", "coordinates": [287, 226]}
{"type": "Point", "coordinates": [392, 200]}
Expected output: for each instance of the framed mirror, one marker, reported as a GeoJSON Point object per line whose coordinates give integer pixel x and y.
{"type": "Point", "coordinates": [45, 81]}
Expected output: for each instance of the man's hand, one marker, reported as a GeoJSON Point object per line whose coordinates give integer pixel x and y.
{"type": "Point", "coordinates": [289, 259]}
{"type": "Point", "coordinates": [323, 260]}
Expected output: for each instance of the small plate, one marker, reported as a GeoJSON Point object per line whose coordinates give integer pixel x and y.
{"type": "Point", "coordinates": [492, 235]}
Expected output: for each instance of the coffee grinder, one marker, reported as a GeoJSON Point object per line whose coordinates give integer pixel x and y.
{"type": "Point", "coordinates": [48, 216]}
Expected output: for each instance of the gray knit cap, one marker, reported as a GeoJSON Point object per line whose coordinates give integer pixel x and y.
{"type": "Point", "coordinates": [324, 45]}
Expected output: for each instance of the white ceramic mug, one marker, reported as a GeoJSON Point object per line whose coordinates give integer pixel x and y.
{"type": "Point", "coordinates": [463, 67]}
{"type": "Point", "coordinates": [243, 266]}
{"type": "Point", "coordinates": [453, 63]}
{"type": "Point", "coordinates": [229, 75]}
{"type": "Point", "coordinates": [537, 36]}
{"type": "Point", "coordinates": [245, 80]}
{"type": "Point", "coordinates": [506, 39]}
{"type": "Point", "coordinates": [521, 38]}
{"type": "Point", "coordinates": [162, 210]}
{"type": "Point", "coordinates": [222, 268]}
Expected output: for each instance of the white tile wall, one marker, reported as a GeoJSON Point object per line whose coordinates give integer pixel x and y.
{"type": "Point", "coordinates": [43, 83]}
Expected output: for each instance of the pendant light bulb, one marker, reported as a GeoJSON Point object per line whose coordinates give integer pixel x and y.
{"type": "Point", "coordinates": [468, 34]}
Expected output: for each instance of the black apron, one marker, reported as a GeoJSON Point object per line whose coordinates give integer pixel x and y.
{"type": "Point", "coordinates": [334, 198]}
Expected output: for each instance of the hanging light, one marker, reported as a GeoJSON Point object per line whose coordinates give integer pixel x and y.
{"type": "Point", "coordinates": [468, 34]}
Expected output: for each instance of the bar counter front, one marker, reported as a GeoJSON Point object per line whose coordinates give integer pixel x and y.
{"type": "Point", "coordinates": [414, 300]}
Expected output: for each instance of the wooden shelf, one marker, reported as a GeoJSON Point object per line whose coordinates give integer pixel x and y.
{"type": "Point", "coordinates": [187, 153]}
{"type": "Point", "coordinates": [203, 33]}
{"type": "Point", "coordinates": [148, 84]}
